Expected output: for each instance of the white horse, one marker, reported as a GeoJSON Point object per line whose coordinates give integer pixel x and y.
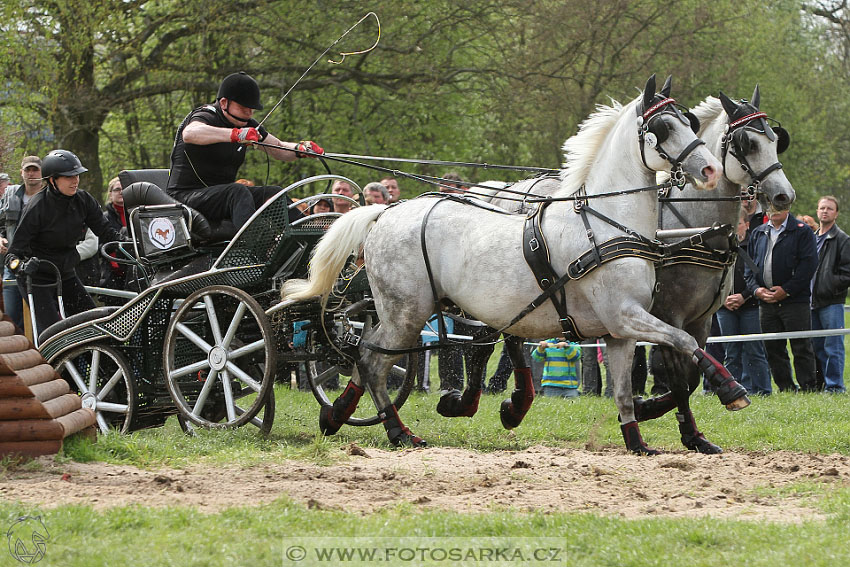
{"type": "Point", "coordinates": [692, 288]}
{"type": "Point", "coordinates": [475, 259]}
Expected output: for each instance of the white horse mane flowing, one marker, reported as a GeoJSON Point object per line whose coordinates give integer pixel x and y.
{"type": "Point", "coordinates": [430, 249]}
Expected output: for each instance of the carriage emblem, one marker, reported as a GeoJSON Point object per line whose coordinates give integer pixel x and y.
{"type": "Point", "coordinates": [27, 539]}
{"type": "Point", "coordinates": [161, 233]}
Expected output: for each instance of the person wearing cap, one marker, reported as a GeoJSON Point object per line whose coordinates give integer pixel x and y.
{"type": "Point", "coordinates": [54, 220]}
{"type": "Point", "coordinates": [210, 147]}
{"type": "Point", "coordinates": [12, 203]}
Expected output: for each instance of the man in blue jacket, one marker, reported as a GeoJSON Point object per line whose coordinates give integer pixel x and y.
{"type": "Point", "coordinates": [785, 252]}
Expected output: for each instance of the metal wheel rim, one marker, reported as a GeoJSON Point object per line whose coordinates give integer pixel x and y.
{"type": "Point", "coordinates": [315, 379]}
{"type": "Point", "coordinates": [100, 386]}
{"type": "Point", "coordinates": [221, 364]}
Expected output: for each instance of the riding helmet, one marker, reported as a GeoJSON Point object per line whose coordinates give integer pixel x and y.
{"type": "Point", "coordinates": [61, 163]}
{"type": "Point", "coordinates": [242, 88]}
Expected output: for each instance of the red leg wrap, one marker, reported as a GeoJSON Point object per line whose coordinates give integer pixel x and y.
{"type": "Point", "coordinates": [728, 390]}
{"type": "Point", "coordinates": [634, 441]}
{"type": "Point", "coordinates": [692, 438]}
{"type": "Point", "coordinates": [513, 411]}
{"type": "Point", "coordinates": [333, 417]}
{"type": "Point", "coordinates": [398, 434]}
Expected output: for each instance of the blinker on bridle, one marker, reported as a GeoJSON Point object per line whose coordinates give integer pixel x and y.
{"type": "Point", "coordinates": [735, 141]}
{"type": "Point", "coordinates": [652, 132]}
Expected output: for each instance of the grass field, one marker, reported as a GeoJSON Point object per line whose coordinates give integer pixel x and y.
{"type": "Point", "coordinates": [262, 535]}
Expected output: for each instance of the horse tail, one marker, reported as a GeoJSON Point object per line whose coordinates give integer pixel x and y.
{"type": "Point", "coordinates": [344, 238]}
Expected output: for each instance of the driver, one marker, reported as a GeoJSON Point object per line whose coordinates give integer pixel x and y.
{"type": "Point", "coordinates": [210, 147]}
{"type": "Point", "coordinates": [54, 220]}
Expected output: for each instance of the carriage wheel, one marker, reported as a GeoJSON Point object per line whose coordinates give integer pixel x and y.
{"type": "Point", "coordinates": [317, 379]}
{"type": "Point", "coordinates": [102, 377]}
{"type": "Point", "coordinates": [264, 423]}
{"type": "Point", "coordinates": [219, 359]}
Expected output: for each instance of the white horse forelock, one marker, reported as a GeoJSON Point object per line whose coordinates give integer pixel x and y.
{"type": "Point", "coordinates": [580, 150]}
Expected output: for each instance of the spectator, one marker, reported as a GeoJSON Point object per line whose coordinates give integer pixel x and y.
{"type": "Point", "coordinates": [376, 194]}
{"type": "Point", "coordinates": [4, 181]}
{"type": "Point", "coordinates": [246, 182]}
{"type": "Point", "coordinates": [49, 229]}
{"type": "Point", "coordinates": [210, 147]}
{"type": "Point", "coordinates": [785, 252]}
{"type": "Point", "coordinates": [12, 204]}
{"type": "Point", "coordinates": [343, 188]}
{"type": "Point", "coordinates": [322, 206]}
{"type": "Point", "coordinates": [392, 187]}
{"type": "Point", "coordinates": [453, 181]}
{"type": "Point", "coordinates": [113, 274]}
{"type": "Point", "coordinates": [739, 315]}
{"type": "Point", "coordinates": [560, 375]}
{"type": "Point", "coordinates": [829, 292]}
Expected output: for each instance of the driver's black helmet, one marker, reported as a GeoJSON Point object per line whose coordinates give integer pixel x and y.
{"type": "Point", "coordinates": [61, 163]}
{"type": "Point", "coordinates": [242, 88]}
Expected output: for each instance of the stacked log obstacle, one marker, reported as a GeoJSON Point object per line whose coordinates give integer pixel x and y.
{"type": "Point", "coordinates": [37, 408]}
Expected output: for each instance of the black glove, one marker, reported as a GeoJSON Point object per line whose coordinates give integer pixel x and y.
{"type": "Point", "coordinates": [262, 132]}
{"type": "Point", "coordinates": [30, 266]}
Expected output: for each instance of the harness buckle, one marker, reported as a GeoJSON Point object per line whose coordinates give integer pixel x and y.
{"type": "Point", "coordinates": [696, 239]}
{"type": "Point", "coordinates": [590, 234]}
{"type": "Point", "coordinates": [533, 244]}
{"type": "Point", "coordinates": [351, 339]}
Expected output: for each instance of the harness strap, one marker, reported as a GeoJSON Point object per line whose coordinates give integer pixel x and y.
{"type": "Point", "coordinates": [441, 325]}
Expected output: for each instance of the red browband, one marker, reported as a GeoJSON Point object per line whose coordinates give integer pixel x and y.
{"type": "Point", "coordinates": [747, 118]}
{"type": "Point", "coordinates": [651, 110]}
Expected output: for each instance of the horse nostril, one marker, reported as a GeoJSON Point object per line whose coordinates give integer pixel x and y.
{"type": "Point", "coordinates": [708, 172]}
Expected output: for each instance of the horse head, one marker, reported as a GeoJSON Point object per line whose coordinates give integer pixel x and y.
{"type": "Point", "coordinates": [755, 144]}
{"type": "Point", "coordinates": [667, 138]}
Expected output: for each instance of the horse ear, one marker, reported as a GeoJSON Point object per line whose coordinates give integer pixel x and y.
{"type": "Point", "coordinates": [783, 139]}
{"type": "Point", "coordinates": [729, 105]}
{"type": "Point", "coordinates": [756, 97]}
{"type": "Point", "coordinates": [665, 90]}
{"type": "Point", "coordinates": [692, 118]}
{"type": "Point", "coordinates": [649, 92]}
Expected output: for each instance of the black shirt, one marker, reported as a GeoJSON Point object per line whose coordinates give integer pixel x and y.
{"type": "Point", "coordinates": [50, 228]}
{"type": "Point", "coordinates": [197, 166]}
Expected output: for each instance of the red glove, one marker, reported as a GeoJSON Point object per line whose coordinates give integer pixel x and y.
{"type": "Point", "coordinates": [309, 146]}
{"type": "Point", "coordinates": [244, 135]}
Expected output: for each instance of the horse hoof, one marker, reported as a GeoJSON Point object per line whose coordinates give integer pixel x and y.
{"type": "Point", "coordinates": [701, 445]}
{"type": "Point", "coordinates": [327, 425]}
{"type": "Point", "coordinates": [509, 417]}
{"type": "Point", "coordinates": [449, 403]}
{"type": "Point", "coordinates": [410, 440]}
{"type": "Point", "coordinates": [644, 450]}
{"type": "Point", "coordinates": [739, 404]}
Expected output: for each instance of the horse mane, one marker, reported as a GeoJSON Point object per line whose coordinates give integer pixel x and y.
{"type": "Point", "coordinates": [708, 112]}
{"type": "Point", "coordinates": [581, 149]}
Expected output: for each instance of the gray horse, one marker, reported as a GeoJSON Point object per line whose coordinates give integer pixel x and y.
{"type": "Point", "coordinates": [693, 283]}
{"type": "Point", "coordinates": [426, 250]}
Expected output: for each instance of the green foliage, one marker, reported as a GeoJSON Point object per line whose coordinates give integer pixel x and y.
{"type": "Point", "coordinates": [503, 82]}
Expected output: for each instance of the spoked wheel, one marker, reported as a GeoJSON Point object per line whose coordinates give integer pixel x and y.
{"type": "Point", "coordinates": [102, 376]}
{"type": "Point", "coordinates": [219, 359]}
{"type": "Point", "coordinates": [263, 420]}
{"type": "Point", "coordinates": [318, 378]}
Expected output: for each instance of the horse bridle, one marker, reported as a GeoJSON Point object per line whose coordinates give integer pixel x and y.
{"type": "Point", "coordinates": [652, 135]}
{"type": "Point", "coordinates": [735, 142]}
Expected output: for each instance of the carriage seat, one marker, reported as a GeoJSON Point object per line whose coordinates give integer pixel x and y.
{"type": "Point", "coordinates": [146, 187]}
{"type": "Point", "coordinates": [75, 320]}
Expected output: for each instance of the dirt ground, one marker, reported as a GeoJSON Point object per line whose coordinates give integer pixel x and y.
{"type": "Point", "coordinates": [608, 482]}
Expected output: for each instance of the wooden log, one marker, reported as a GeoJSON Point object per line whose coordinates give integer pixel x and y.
{"type": "Point", "coordinates": [15, 343]}
{"type": "Point", "coordinates": [50, 390]}
{"type": "Point", "coordinates": [37, 374]}
{"type": "Point", "coordinates": [76, 421]}
{"type": "Point", "coordinates": [7, 328]}
{"type": "Point", "coordinates": [30, 448]}
{"type": "Point", "coordinates": [18, 360]}
{"type": "Point", "coordinates": [62, 405]}
{"type": "Point", "coordinates": [31, 430]}
{"type": "Point", "coordinates": [22, 408]}
{"type": "Point", "coordinates": [13, 387]}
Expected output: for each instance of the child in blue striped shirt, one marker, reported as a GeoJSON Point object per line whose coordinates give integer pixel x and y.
{"type": "Point", "coordinates": [560, 370]}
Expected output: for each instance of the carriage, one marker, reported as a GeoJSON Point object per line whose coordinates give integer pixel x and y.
{"type": "Point", "coordinates": [207, 334]}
